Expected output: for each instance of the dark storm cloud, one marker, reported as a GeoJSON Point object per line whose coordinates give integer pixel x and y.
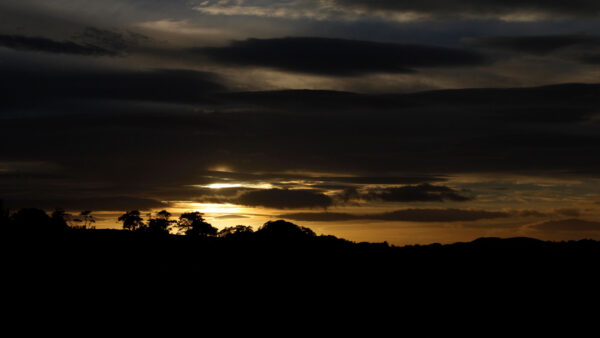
{"type": "Point", "coordinates": [27, 86]}
{"type": "Point", "coordinates": [572, 224]}
{"type": "Point", "coordinates": [535, 44]}
{"type": "Point", "coordinates": [439, 133]}
{"type": "Point", "coordinates": [338, 56]}
{"type": "Point", "coordinates": [339, 181]}
{"type": "Point", "coordinates": [509, 98]}
{"type": "Point", "coordinates": [410, 193]}
{"type": "Point", "coordinates": [582, 8]}
{"type": "Point", "coordinates": [416, 193]}
{"type": "Point", "coordinates": [118, 41]}
{"type": "Point", "coordinates": [84, 115]}
{"type": "Point", "coordinates": [396, 10]}
{"type": "Point", "coordinates": [123, 136]}
{"type": "Point", "coordinates": [303, 100]}
{"type": "Point", "coordinates": [460, 128]}
{"type": "Point", "coordinates": [379, 179]}
{"type": "Point", "coordinates": [407, 215]}
{"type": "Point", "coordinates": [593, 59]}
{"type": "Point", "coordinates": [112, 203]}
{"type": "Point", "coordinates": [40, 44]}
{"type": "Point", "coordinates": [298, 198]}
{"type": "Point", "coordinates": [554, 103]}
{"type": "Point", "coordinates": [285, 199]}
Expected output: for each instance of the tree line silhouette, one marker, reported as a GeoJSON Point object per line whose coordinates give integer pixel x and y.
{"type": "Point", "coordinates": [193, 225]}
{"type": "Point", "coordinates": [190, 247]}
{"type": "Point", "coordinates": [190, 224]}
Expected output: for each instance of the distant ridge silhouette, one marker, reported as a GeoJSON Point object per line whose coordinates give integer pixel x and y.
{"type": "Point", "coordinates": [45, 245]}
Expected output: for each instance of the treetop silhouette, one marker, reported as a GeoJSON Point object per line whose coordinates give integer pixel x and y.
{"type": "Point", "coordinates": [194, 224]}
{"type": "Point", "coordinates": [132, 220]}
{"type": "Point", "coordinates": [37, 220]}
{"type": "Point", "coordinates": [161, 223]}
{"type": "Point", "coordinates": [284, 229]}
{"type": "Point", "coordinates": [238, 231]}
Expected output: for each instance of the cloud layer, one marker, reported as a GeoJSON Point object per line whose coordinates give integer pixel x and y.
{"type": "Point", "coordinates": [404, 215]}
{"type": "Point", "coordinates": [359, 108]}
{"type": "Point", "coordinates": [417, 193]}
{"type": "Point", "coordinates": [572, 224]}
{"type": "Point", "coordinates": [339, 56]}
{"type": "Point", "coordinates": [40, 44]}
{"type": "Point", "coordinates": [400, 10]}
{"type": "Point", "coordinates": [482, 8]}
{"type": "Point", "coordinates": [377, 139]}
{"type": "Point", "coordinates": [285, 199]}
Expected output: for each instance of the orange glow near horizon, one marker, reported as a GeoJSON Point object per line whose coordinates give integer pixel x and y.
{"type": "Point", "coordinates": [236, 185]}
{"type": "Point", "coordinates": [208, 208]}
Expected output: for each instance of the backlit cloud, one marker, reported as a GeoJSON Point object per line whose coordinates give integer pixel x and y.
{"type": "Point", "coordinates": [528, 10]}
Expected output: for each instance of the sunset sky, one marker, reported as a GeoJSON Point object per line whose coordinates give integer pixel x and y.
{"type": "Point", "coordinates": [372, 120]}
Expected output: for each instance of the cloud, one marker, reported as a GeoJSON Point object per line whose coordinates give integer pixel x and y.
{"type": "Point", "coordinates": [543, 44]}
{"type": "Point", "coordinates": [184, 27]}
{"type": "Point", "coordinates": [116, 41]}
{"type": "Point", "coordinates": [111, 203]}
{"type": "Point", "coordinates": [167, 148]}
{"type": "Point", "coordinates": [572, 224]}
{"type": "Point", "coordinates": [514, 10]}
{"type": "Point", "coordinates": [222, 195]}
{"type": "Point", "coordinates": [408, 179]}
{"type": "Point", "coordinates": [552, 104]}
{"type": "Point", "coordinates": [324, 216]}
{"type": "Point", "coordinates": [321, 177]}
{"type": "Point", "coordinates": [338, 57]}
{"type": "Point", "coordinates": [406, 215]}
{"type": "Point", "coordinates": [40, 44]}
{"type": "Point", "coordinates": [285, 199]}
{"type": "Point", "coordinates": [19, 86]}
{"type": "Point", "coordinates": [231, 217]}
{"type": "Point", "coordinates": [416, 193]}
{"type": "Point", "coordinates": [570, 212]}
{"type": "Point", "coordinates": [529, 213]}
{"type": "Point", "coordinates": [440, 215]}
{"type": "Point", "coordinates": [592, 59]}
{"type": "Point", "coordinates": [291, 9]}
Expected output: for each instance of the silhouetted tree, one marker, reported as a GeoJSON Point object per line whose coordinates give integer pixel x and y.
{"type": "Point", "coordinates": [4, 216]}
{"type": "Point", "coordinates": [60, 218]}
{"type": "Point", "coordinates": [76, 221]}
{"type": "Point", "coordinates": [283, 229]}
{"type": "Point", "coordinates": [238, 231]}
{"type": "Point", "coordinates": [132, 220]}
{"type": "Point", "coordinates": [87, 218]}
{"type": "Point", "coordinates": [34, 220]}
{"type": "Point", "coordinates": [161, 223]}
{"type": "Point", "coordinates": [193, 224]}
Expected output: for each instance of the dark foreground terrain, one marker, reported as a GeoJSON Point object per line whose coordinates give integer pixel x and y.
{"type": "Point", "coordinates": [73, 253]}
{"type": "Point", "coordinates": [283, 269]}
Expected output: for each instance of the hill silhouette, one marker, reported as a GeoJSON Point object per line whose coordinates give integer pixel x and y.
{"type": "Point", "coordinates": [39, 245]}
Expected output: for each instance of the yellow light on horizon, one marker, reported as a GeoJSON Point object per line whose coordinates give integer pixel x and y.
{"type": "Point", "coordinates": [236, 185]}
{"type": "Point", "coordinates": [223, 185]}
{"type": "Point", "coordinates": [209, 208]}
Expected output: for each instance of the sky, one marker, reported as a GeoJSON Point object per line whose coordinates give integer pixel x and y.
{"type": "Point", "coordinates": [410, 122]}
